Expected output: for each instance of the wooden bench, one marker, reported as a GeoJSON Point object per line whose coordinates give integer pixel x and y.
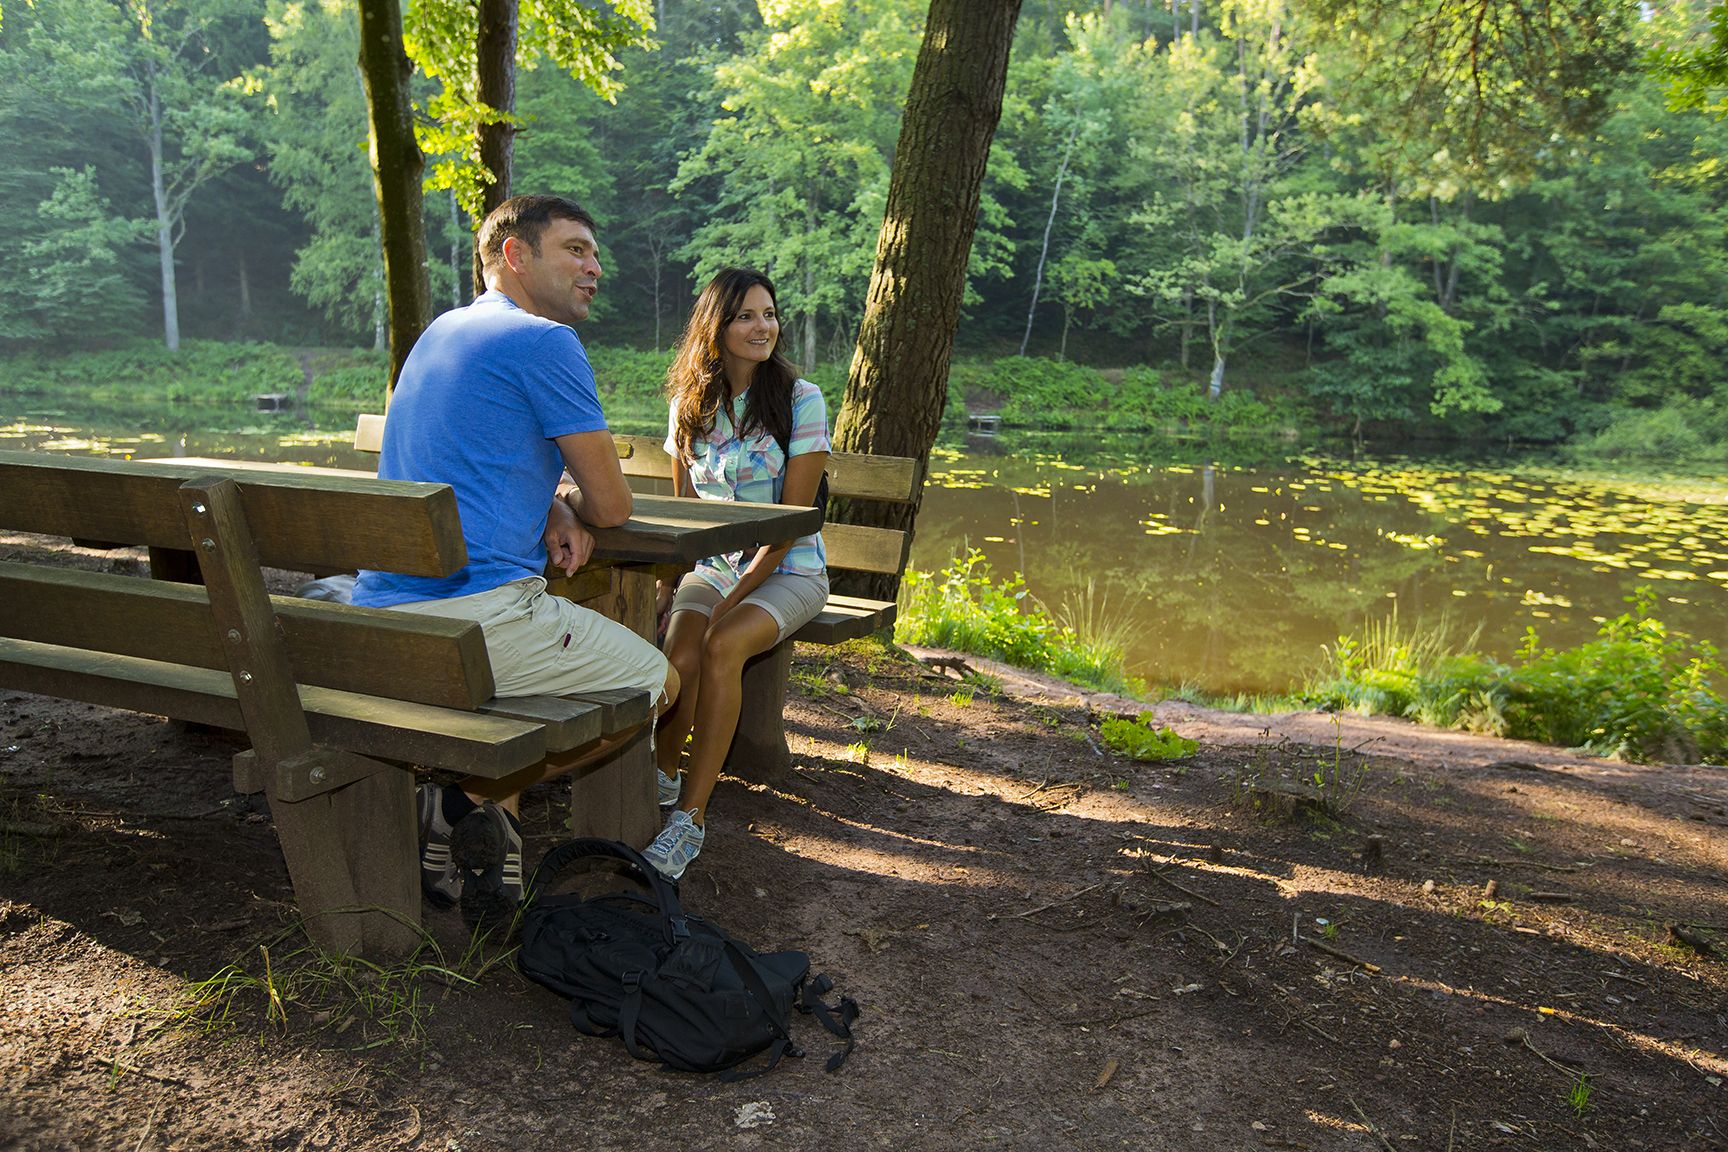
{"type": "Point", "coordinates": [759, 750]}
{"type": "Point", "coordinates": [338, 702]}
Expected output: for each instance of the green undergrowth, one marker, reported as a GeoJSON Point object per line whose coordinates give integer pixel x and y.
{"type": "Point", "coordinates": [966, 607]}
{"type": "Point", "coordinates": [1639, 691]}
{"type": "Point", "coordinates": [146, 372]}
{"type": "Point", "coordinates": [289, 982]}
{"type": "Point", "coordinates": [1141, 739]}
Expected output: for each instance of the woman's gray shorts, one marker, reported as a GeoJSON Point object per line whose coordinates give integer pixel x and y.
{"type": "Point", "coordinates": [791, 600]}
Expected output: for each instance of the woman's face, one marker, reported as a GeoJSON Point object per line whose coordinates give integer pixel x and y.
{"type": "Point", "coordinates": [752, 335]}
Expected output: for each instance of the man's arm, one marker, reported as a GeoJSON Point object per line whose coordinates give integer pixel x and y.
{"type": "Point", "coordinates": [600, 497]}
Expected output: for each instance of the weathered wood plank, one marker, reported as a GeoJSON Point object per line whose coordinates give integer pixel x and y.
{"type": "Point", "coordinates": [851, 474]}
{"type": "Point", "coordinates": [846, 618]}
{"type": "Point", "coordinates": [252, 647]}
{"type": "Point", "coordinates": [304, 522]}
{"type": "Point", "coordinates": [569, 723]}
{"type": "Point", "coordinates": [398, 730]}
{"type": "Point", "coordinates": [861, 548]}
{"type": "Point", "coordinates": [427, 659]}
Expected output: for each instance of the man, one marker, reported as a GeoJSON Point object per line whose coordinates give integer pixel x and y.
{"type": "Point", "coordinates": [498, 400]}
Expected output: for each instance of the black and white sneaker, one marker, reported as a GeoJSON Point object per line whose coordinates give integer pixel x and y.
{"type": "Point", "coordinates": [439, 880]}
{"type": "Point", "coordinates": [486, 849]}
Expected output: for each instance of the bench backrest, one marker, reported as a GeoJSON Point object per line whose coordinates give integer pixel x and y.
{"type": "Point", "coordinates": [303, 523]}
{"type": "Point", "coordinates": [853, 476]}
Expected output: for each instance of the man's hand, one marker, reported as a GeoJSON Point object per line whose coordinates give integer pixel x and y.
{"type": "Point", "coordinates": [568, 542]}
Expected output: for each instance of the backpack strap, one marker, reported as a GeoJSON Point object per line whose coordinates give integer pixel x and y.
{"type": "Point", "coordinates": [821, 500]}
{"type": "Point", "coordinates": [764, 1000]}
{"type": "Point", "coordinates": [837, 1020]}
{"type": "Point", "coordinates": [573, 853]}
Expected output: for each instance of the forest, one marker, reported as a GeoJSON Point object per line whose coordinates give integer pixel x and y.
{"type": "Point", "coordinates": [1327, 205]}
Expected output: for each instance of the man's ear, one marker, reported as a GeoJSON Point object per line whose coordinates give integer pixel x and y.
{"type": "Point", "coordinates": [515, 251]}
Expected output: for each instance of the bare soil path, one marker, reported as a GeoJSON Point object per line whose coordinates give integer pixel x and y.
{"type": "Point", "coordinates": [1054, 947]}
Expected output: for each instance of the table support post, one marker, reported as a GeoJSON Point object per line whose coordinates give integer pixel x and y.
{"type": "Point", "coordinates": [615, 796]}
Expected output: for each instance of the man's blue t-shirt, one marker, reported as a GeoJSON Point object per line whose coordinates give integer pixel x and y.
{"type": "Point", "coordinates": [480, 398]}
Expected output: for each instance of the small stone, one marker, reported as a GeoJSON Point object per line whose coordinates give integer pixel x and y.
{"type": "Point", "coordinates": [1428, 887]}
{"type": "Point", "coordinates": [1394, 1045]}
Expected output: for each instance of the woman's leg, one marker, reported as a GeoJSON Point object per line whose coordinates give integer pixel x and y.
{"type": "Point", "coordinates": [684, 651]}
{"type": "Point", "coordinates": [740, 634]}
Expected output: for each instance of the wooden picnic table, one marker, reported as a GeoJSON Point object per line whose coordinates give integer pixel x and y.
{"type": "Point", "coordinates": [614, 798]}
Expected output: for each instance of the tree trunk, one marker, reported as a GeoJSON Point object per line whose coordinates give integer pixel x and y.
{"type": "Point", "coordinates": [899, 377]}
{"type": "Point", "coordinates": [809, 319]}
{"type": "Point", "coordinates": [164, 218]}
{"type": "Point", "coordinates": [396, 170]}
{"type": "Point", "coordinates": [495, 86]}
{"type": "Point", "coordinates": [1049, 223]}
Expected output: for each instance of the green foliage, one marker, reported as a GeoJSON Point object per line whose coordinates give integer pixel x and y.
{"type": "Point", "coordinates": [1040, 393]}
{"type": "Point", "coordinates": [965, 608]}
{"type": "Point", "coordinates": [349, 379]}
{"type": "Point", "coordinates": [1142, 740]}
{"type": "Point", "coordinates": [1639, 691]}
{"type": "Point", "coordinates": [203, 371]}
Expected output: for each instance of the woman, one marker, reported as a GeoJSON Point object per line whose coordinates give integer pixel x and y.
{"type": "Point", "coordinates": [742, 427]}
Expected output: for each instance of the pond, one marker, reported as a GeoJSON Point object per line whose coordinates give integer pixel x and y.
{"type": "Point", "coordinates": [1226, 570]}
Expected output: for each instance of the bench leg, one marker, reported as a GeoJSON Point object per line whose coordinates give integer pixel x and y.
{"type": "Point", "coordinates": [759, 750]}
{"type": "Point", "coordinates": [353, 856]}
{"type": "Point", "coordinates": [614, 796]}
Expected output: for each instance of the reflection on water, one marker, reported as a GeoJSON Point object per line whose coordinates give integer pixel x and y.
{"type": "Point", "coordinates": [1232, 576]}
{"type": "Point", "coordinates": [1227, 572]}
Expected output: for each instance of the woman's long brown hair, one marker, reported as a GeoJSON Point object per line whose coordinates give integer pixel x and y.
{"type": "Point", "coordinates": [696, 381]}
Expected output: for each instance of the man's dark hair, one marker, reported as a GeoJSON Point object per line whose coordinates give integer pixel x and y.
{"type": "Point", "coordinates": [525, 217]}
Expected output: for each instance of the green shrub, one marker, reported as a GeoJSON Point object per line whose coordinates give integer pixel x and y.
{"type": "Point", "coordinates": [965, 608]}
{"type": "Point", "coordinates": [1639, 691]}
{"type": "Point", "coordinates": [203, 371]}
{"type": "Point", "coordinates": [349, 378]}
{"type": "Point", "coordinates": [1139, 739]}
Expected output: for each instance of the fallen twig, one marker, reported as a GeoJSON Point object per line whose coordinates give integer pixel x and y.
{"type": "Point", "coordinates": [1551, 897]}
{"type": "Point", "coordinates": [148, 1122]}
{"type": "Point", "coordinates": [1696, 941]}
{"type": "Point", "coordinates": [1372, 1128]}
{"type": "Point", "coordinates": [1489, 860]}
{"type": "Point", "coordinates": [1628, 979]}
{"type": "Point", "coordinates": [1054, 903]}
{"type": "Point", "coordinates": [1519, 1036]}
{"type": "Point", "coordinates": [1339, 952]}
{"type": "Point", "coordinates": [1160, 877]}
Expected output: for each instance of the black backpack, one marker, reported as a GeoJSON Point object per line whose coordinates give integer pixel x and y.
{"type": "Point", "coordinates": [674, 987]}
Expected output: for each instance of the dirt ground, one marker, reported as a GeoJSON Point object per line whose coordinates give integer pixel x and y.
{"type": "Point", "coordinates": [1054, 947]}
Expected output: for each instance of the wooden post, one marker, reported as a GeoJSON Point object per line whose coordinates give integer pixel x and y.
{"type": "Point", "coordinates": [346, 824]}
{"type": "Point", "coordinates": [616, 796]}
{"type": "Point", "coordinates": [759, 750]}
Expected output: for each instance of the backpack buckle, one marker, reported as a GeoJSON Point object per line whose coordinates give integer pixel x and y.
{"type": "Point", "coordinates": [633, 981]}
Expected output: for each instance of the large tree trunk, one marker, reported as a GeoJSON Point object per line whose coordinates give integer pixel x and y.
{"type": "Point", "coordinates": [899, 378]}
{"type": "Point", "coordinates": [396, 171]}
{"type": "Point", "coordinates": [495, 86]}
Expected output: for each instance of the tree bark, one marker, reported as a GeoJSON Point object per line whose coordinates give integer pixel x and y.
{"type": "Point", "coordinates": [396, 172]}
{"type": "Point", "coordinates": [164, 215]}
{"type": "Point", "coordinates": [495, 87]}
{"type": "Point", "coordinates": [1044, 250]}
{"type": "Point", "coordinates": [899, 377]}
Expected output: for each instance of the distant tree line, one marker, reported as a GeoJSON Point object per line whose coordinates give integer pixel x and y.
{"type": "Point", "coordinates": [1346, 200]}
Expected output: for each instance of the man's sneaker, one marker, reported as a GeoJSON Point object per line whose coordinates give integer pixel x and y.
{"type": "Point", "coordinates": [671, 787]}
{"type": "Point", "coordinates": [439, 879]}
{"type": "Point", "coordinates": [486, 847]}
{"type": "Point", "coordinates": [676, 845]}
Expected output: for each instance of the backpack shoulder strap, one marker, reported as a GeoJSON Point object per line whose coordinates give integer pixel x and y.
{"type": "Point", "coordinates": [572, 854]}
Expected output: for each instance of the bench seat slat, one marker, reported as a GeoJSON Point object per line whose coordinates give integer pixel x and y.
{"type": "Point", "coordinates": [376, 651]}
{"type": "Point", "coordinates": [469, 742]}
{"type": "Point", "coordinates": [846, 618]}
{"type": "Point", "coordinates": [569, 723]}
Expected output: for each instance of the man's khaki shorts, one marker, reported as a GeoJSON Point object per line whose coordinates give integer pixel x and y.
{"type": "Point", "coordinates": [545, 645]}
{"type": "Point", "coordinates": [791, 600]}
